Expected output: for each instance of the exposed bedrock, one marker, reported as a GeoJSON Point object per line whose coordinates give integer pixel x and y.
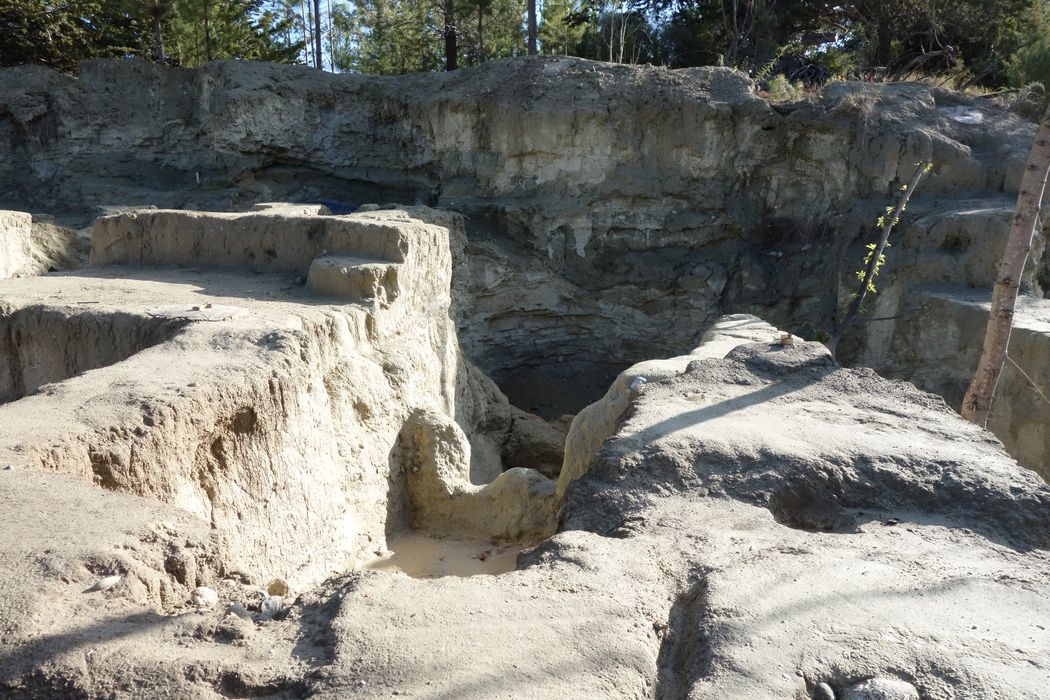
{"type": "Point", "coordinates": [612, 211]}
{"type": "Point", "coordinates": [926, 325]}
{"type": "Point", "coordinates": [276, 411]}
{"type": "Point", "coordinates": [751, 521]}
{"type": "Point", "coordinates": [33, 245]}
{"type": "Point", "coordinates": [286, 431]}
{"type": "Point", "coordinates": [800, 492]}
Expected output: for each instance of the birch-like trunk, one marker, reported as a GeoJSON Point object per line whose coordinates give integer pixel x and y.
{"type": "Point", "coordinates": [978, 399]}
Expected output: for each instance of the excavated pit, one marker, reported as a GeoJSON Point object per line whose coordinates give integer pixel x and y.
{"type": "Point", "coordinates": [552, 390]}
{"type": "Point", "coordinates": [41, 345]}
{"type": "Point", "coordinates": [592, 245]}
{"type": "Point", "coordinates": [336, 425]}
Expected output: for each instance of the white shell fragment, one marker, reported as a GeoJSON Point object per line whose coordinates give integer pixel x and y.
{"type": "Point", "coordinates": [271, 605]}
{"type": "Point", "coordinates": [637, 383]}
{"type": "Point", "coordinates": [204, 597]}
{"type": "Point", "coordinates": [105, 583]}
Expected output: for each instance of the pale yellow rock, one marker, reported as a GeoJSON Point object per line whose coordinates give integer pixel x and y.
{"type": "Point", "coordinates": [518, 505]}
{"type": "Point", "coordinates": [290, 209]}
{"type": "Point", "coordinates": [15, 230]}
{"type": "Point", "coordinates": [204, 597]}
{"type": "Point", "coordinates": [276, 421]}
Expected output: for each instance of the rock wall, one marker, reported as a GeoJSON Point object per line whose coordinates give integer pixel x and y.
{"type": "Point", "coordinates": [44, 346]}
{"type": "Point", "coordinates": [936, 342]}
{"type": "Point", "coordinates": [31, 246]}
{"type": "Point", "coordinates": [15, 230]}
{"type": "Point", "coordinates": [613, 211]}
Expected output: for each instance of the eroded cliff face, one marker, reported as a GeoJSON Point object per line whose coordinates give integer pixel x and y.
{"type": "Point", "coordinates": [265, 397]}
{"type": "Point", "coordinates": [613, 211]}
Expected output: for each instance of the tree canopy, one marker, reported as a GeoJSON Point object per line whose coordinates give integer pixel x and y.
{"type": "Point", "coordinates": [991, 43]}
{"type": "Point", "coordinates": [63, 33]}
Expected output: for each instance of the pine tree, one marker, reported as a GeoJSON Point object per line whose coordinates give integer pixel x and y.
{"type": "Point", "coordinates": [205, 30]}
{"type": "Point", "coordinates": [558, 34]}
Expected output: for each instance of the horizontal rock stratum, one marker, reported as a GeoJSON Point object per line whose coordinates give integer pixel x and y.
{"type": "Point", "coordinates": [612, 211]}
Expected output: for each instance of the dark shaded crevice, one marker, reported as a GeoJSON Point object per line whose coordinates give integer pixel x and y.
{"type": "Point", "coordinates": [236, 684]}
{"type": "Point", "coordinates": [557, 387]}
{"type": "Point", "coordinates": [810, 507]}
{"type": "Point", "coordinates": [685, 652]}
{"type": "Point", "coordinates": [317, 639]}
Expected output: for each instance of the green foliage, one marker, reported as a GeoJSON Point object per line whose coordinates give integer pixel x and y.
{"type": "Point", "coordinates": [783, 90]}
{"type": "Point", "coordinates": [389, 37]}
{"type": "Point", "coordinates": [205, 30]}
{"type": "Point", "coordinates": [885, 223]}
{"type": "Point", "coordinates": [1028, 69]}
{"type": "Point", "coordinates": [61, 35]}
{"type": "Point", "coordinates": [490, 29]}
{"type": "Point", "coordinates": [614, 32]}
{"type": "Point", "coordinates": [861, 273]}
{"type": "Point", "coordinates": [970, 42]}
{"type": "Point", "coordinates": [392, 37]}
{"type": "Point", "coordinates": [557, 34]}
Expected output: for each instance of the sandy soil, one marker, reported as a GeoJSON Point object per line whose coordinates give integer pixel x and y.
{"type": "Point", "coordinates": [422, 556]}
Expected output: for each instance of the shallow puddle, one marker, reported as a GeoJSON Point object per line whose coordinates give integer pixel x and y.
{"type": "Point", "coordinates": [422, 556]}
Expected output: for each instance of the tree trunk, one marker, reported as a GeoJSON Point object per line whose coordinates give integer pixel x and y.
{"type": "Point", "coordinates": [451, 54]}
{"type": "Point", "coordinates": [331, 37]}
{"type": "Point", "coordinates": [532, 27]}
{"type": "Point", "coordinates": [207, 34]}
{"type": "Point", "coordinates": [978, 399]}
{"type": "Point", "coordinates": [158, 36]}
{"type": "Point", "coordinates": [308, 32]}
{"type": "Point", "coordinates": [883, 40]}
{"type": "Point", "coordinates": [318, 53]}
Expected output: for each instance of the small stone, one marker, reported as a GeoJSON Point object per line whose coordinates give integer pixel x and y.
{"type": "Point", "coordinates": [638, 383]}
{"type": "Point", "coordinates": [277, 587]}
{"type": "Point", "coordinates": [105, 583]}
{"type": "Point", "coordinates": [234, 628]}
{"type": "Point", "coordinates": [823, 691]}
{"type": "Point", "coordinates": [204, 597]}
{"type": "Point", "coordinates": [271, 606]}
{"type": "Point", "coordinates": [238, 610]}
